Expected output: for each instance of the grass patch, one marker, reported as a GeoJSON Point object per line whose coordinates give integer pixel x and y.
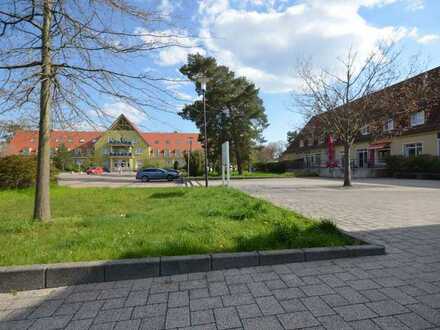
{"type": "Point", "coordinates": [107, 223]}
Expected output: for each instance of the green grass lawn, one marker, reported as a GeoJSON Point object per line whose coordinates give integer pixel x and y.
{"type": "Point", "coordinates": [106, 223]}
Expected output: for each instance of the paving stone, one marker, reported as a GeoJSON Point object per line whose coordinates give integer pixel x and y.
{"type": "Point", "coordinates": [317, 306]}
{"type": "Point", "coordinates": [158, 298]}
{"type": "Point", "coordinates": [198, 293]}
{"type": "Point", "coordinates": [269, 305]}
{"type": "Point", "coordinates": [79, 324]}
{"type": "Point", "coordinates": [351, 295]}
{"type": "Point", "coordinates": [317, 290]}
{"type": "Point", "coordinates": [16, 325]}
{"type": "Point", "coordinates": [331, 280]}
{"type": "Point", "coordinates": [432, 300]}
{"type": "Point", "coordinates": [164, 287]}
{"type": "Point", "coordinates": [83, 296]}
{"type": "Point", "coordinates": [390, 323]}
{"type": "Point", "coordinates": [264, 276]}
{"type": "Point", "coordinates": [193, 284]}
{"type": "Point", "coordinates": [114, 293]}
{"type": "Point", "coordinates": [275, 284]}
{"type": "Point", "coordinates": [399, 296]}
{"type": "Point", "coordinates": [414, 321]}
{"type": "Point", "coordinates": [387, 307]}
{"type": "Point", "coordinates": [363, 284]}
{"type": "Point", "coordinates": [137, 298]}
{"type": "Point", "coordinates": [218, 289]}
{"type": "Point", "coordinates": [248, 311]}
{"type": "Point", "coordinates": [47, 323]}
{"type": "Point", "coordinates": [68, 309]}
{"type": "Point", "coordinates": [285, 294]}
{"type": "Point", "coordinates": [259, 289]}
{"type": "Point", "coordinates": [88, 310]}
{"type": "Point", "coordinates": [354, 312]}
{"type": "Point", "coordinates": [226, 318]}
{"type": "Point", "coordinates": [205, 303]}
{"type": "Point", "coordinates": [113, 315]}
{"type": "Point", "coordinates": [262, 323]}
{"type": "Point", "coordinates": [177, 317]}
{"type": "Point", "coordinates": [334, 322]}
{"type": "Point", "coordinates": [238, 289]}
{"type": "Point", "coordinates": [293, 305]}
{"type": "Point", "coordinates": [239, 299]}
{"type": "Point", "coordinates": [298, 320]}
{"type": "Point", "coordinates": [429, 314]}
{"type": "Point", "coordinates": [153, 323]}
{"type": "Point", "coordinates": [334, 300]}
{"type": "Point", "coordinates": [46, 309]}
{"type": "Point", "coordinates": [364, 325]}
{"type": "Point", "coordinates": [128, 325]}
{"type": "Point", "coordinates": [374, 295]}
{"type": "Point", "coordinates": [103, 326]}
{"type": "Point", "coordinates": [202, 317]}
{"type": "Point", "coordinates": [178, 299]}
{"type": "Point", "coordinates": [149, 311]}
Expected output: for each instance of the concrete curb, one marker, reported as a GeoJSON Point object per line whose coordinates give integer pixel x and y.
{"type": "Point", "coordinates": [33, 277]}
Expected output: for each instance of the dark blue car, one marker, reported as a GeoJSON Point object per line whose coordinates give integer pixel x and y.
{"type": "Point", "coordinates": [151, 174]}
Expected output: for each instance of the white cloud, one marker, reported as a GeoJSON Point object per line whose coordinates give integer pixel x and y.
{"type": "Point", "coordinates": [428, 39]}
{"type": "Point", "coordinates": [265, 45]}
{"type": "Point", "coordinates": [115, 109]}
{"type": "Point", "coordinates": [178, 44]}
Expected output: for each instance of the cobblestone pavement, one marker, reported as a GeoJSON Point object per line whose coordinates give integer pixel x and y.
{"type": "Point", "coordinates": [400, 290]}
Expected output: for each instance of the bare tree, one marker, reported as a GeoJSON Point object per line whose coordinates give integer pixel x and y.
{"type": "Point", "coordinates": [66, 57]}
{"type": "Point", "coordinates": [342, 104]}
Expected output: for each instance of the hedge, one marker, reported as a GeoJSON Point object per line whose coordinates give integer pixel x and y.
{"type": "Point", "coordinates": [19, 172]}
{"type": "Point", "coordinates": [278, 167]}
{"type": "Point", "coordinates": [416, 164]}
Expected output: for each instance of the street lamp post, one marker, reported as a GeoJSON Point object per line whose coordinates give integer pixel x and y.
{"type": "Point", "coordinates": [203, 80]}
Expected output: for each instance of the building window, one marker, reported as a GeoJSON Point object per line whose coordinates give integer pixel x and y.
{"type": "Point", "coordinates": [167, 141]}
{"type": "Point", "coordinates": [178, 153]}
{"type": "Point", "coordinates": [413, 149]}
{"type": "Point", "coordinates": [301, 143]}
{"type": "Point", "coordinates": [417, 118]}
{"type": "Point", "coordinates": [157, 153]}
{"type": "Point", "coordinates": [389, 125]}
{"type": "Point", "coordinates": [82, 140]}
{"type": "Point", "coordinates": [365, 130]}
{"type": "Point", "coordinates": [156, 142]}
{"type": "Point", "coordinates": [105, 151]}
{"type": "Point", "coordinates": [310, 142]}
{"type": "Point", "coordinates": [166, 153]}
{"type": "Point", "coordinates": [139, 151]}
{"type": "Point", "coordinates": [70, 140]}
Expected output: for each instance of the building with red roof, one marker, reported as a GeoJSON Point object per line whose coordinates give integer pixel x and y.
{"type": "Point", "coordinates": [122, 146]}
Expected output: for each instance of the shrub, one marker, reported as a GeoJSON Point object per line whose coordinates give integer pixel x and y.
{"type": "Point", "coordinates": [195, 163]}
{"type": "Point", "coordinates": [281, 166]}
{"type": "Point", "coordinates": [417, 164]}
{"type": "Point", "coordinates": [19, 172]}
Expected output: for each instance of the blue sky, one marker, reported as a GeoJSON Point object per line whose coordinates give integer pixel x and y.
{"type": "Point", "coordinates": [263, 40]}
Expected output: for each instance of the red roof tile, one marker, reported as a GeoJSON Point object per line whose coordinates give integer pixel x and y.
{"type": "Point", "coordinates": [72, 140]}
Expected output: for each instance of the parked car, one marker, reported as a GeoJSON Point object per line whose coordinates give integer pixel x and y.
{"type": "Point", "coordinates": [151, 174]}
{"type": "Point", "coordinates": [95, 170]}
{"type": "Point", "coordinates": [172, 170]}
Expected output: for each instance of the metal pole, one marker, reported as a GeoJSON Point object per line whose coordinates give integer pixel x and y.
{"type": "Point", "coordinates": [189, 154]}
{"type": "Point", "coordinates": [206, 139]}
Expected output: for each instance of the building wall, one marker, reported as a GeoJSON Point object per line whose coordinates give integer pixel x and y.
{"type": "Point", "coordinates": [429, 141]}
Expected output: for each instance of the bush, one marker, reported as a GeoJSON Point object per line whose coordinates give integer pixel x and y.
{"type": "Point", "coordinates": [417, 164]}
{"type": "Point", "coordinates": [195, 163]}
{"type": "Point", "coordinates": [19, 172]}
{"type": "Point", "coordinates": [281, 166]}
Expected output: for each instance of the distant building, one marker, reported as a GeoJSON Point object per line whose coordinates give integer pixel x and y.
{"type": "Point", "coordinates": [121, 147]}
{"type": "Point", "coordinates": [404, 131]}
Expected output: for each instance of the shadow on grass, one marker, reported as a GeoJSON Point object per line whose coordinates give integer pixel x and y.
{"type": "Point", "coordinates": [285, 235]}
{"type": "Point", "coordinates": [169, 194]}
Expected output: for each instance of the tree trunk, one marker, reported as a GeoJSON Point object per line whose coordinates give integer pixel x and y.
{"type": "Point", "coordinates": [42, 199]}
{"type": "Point", "coordinates": [347, 167]}
{"type": "Point", "coordinates": [239, 160]}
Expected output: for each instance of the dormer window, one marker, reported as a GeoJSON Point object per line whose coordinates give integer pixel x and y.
{"type": "Point", "coordinates": [82, 140]}
{"type": "Point", "coordinates": [389, 125]}
{"type": "Point", "coordinates": [417, 118]}
{"type": "Point", "coordinates": [365, 130]}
